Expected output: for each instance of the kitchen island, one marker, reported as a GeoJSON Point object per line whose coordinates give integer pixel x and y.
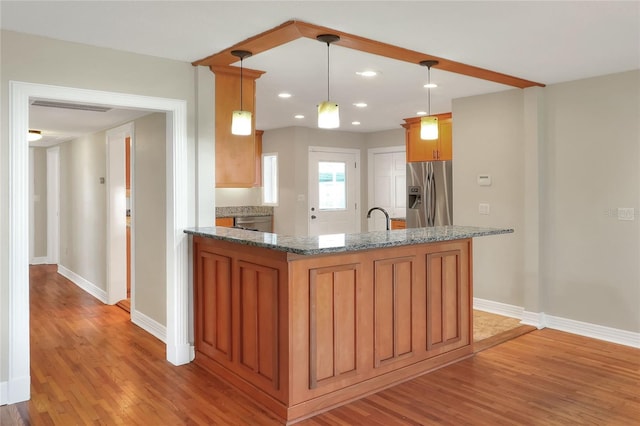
{"type": "Point", "coordinates": [304, 324]}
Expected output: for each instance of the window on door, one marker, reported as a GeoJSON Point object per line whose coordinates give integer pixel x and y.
{"type": "Point", "coordinates": [332, 193]}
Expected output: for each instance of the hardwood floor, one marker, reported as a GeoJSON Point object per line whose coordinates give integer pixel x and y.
{"type": "Point", "coordinates": [91, 365]}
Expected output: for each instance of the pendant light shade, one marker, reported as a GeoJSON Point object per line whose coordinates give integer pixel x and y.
{"type": "Point", "coordinates": [241, 120]}
{"type": "Point", "coordinates": [328, 115]}
{"type": "Point", "coordinates": [34, 135]}
{"type": "Point", "coordinates": [328, 112]}
{"type": "Point", "coordinates": [429, 128]}
{"type": "Point", "coordinates": [429, 124]}
{"type": "Point", "coordinates": [241, 123]}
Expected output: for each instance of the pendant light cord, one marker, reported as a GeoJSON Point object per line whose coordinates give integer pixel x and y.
{"type": "Point", "coordinates": [429, 89]}
{"type": "Point", "coordinates": [328, 46]}
{"type": "Point", "coordinates": [241, 59]}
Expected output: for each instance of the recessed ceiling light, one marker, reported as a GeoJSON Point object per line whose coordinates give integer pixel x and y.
{"type": "Point", "coordinates": [360, 104]}
{"type": "Point", "coordinates": [298, 116]}
{"type": "Point", "coordinates": [355, 123]}
{"type": "Point", "coordinates": [367, 73]}
{"type": "Point", "coordinates": [284, 95]}
{"type": "Point", "coordinates": [421, 113]}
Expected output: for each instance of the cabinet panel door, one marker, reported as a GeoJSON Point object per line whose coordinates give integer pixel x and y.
{"type": "Point", "coordinates": [332, 323]}
{"type": "Point", "coordinates": [394, 293]}
{"type": "Point", "coordinates": [258, 311]}
{"type": "Point", "coordinates": [213, 306]}
{"type": "Point", "coordinates": [448, 299]}
{"type": "Point", "coordinates": [445, 140]}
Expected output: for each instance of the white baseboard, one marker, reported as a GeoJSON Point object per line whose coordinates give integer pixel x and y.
{"type": "Point", "coordinates": [149, 325]}
{"type": "Point", "coordinates": [498, 308]}
{"type": "Point", "coordinates": [542, 320]}
{"type": "Point", "coordinates": [17, 390]}
{"type": "Point", "coordinates": [3, 393]}
{"type": "Point", "coordinates": [84, 284]}
{"type": "Point", "coordinates": [39, 261]}
{"type": "Point", "coordinates": [601, 332]}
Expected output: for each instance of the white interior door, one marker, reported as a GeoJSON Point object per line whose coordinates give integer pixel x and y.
{"type": "Point", "coordinates": [333, 191]}
{"type": "Point", "coordinates": [387, 184]}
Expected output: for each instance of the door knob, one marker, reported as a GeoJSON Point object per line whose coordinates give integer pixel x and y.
{"type": "Point", "coordinates": [313, 216]}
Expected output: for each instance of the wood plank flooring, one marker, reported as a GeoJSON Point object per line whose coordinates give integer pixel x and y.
{"type": "Point", "coordinates": [91, 365]}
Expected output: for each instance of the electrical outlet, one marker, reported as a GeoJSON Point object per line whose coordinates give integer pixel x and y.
{"type": "Point", "coordinates": [626, 213]}
{"type": "Point", "coordinates": [483, 208]}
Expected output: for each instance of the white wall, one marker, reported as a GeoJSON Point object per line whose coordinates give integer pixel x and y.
{"type": "Point", "coordinates": [570, 151]}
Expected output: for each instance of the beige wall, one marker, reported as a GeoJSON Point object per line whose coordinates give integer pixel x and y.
{"type": "Point", "coordinates": [292, 145]}
{"type": "Point", "coordinates": [83, 212]}
{"type": "Point", "coordinates": [592, 156]}
{"type": "Point", "coordinates": [487, 139]}
{"type": "Point", "coordinates": [149, 216]}
{"type": "Point", "coordinates": [83, 208]}
{"type": "Point", "coordinates": [34, 59]}
{"type": "Point", "coordinates": [588, 166]}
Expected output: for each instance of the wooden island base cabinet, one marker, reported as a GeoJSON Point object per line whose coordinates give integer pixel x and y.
{"type": "Point", "coordinates": [305, 333]}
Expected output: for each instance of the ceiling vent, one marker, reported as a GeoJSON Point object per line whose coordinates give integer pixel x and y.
{"type": "Point", "coordinates": [80, 107]}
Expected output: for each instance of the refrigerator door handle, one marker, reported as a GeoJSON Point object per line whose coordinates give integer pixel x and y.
{"type": "Point", "coordinates": [429, 195]}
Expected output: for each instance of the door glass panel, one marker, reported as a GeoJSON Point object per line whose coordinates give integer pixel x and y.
{"type": "Point", "coordinates": [331, 185]}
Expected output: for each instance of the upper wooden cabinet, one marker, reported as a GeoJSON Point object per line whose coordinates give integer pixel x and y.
{"type": "Point", "coordinates": [422, 150]}
{"type": "Point", "coordinates": [235, 155]}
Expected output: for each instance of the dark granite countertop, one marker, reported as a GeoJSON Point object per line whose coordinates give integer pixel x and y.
{"type": "Point", "coordinates": [339, 243]}
{"type": "Point", "coordinates": [244, 211]}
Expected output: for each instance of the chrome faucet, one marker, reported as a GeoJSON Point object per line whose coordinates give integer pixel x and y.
{"type": "Point", "coordinates": [385, 215]}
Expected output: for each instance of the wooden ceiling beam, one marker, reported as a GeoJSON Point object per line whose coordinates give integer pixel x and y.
{"type": "Point", "coordinates": [292, 30]}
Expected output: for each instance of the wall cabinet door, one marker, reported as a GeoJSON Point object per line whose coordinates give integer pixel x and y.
{"type": "Point", "coordinates": [224, 221]}
{"type": "Point", "coordinates": [429, 150]}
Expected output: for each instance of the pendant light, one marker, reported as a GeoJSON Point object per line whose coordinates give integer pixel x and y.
{"type": "Point", "coordinates": [241, 120]}
{"type": "Point", "coordinates": [429, 124]}
{"type": "Point", "coordinates": [34, 135]}
{"type": "Point", "coordinates": [328, 112]}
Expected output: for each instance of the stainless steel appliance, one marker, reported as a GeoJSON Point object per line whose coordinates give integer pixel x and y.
{"type": "Point", "coordinates": [254, 223]}
{"type": "Point", "coordinates": [429, 194]}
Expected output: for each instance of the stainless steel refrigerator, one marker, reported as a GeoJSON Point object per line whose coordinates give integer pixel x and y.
{"type": "Point", "coordinates": [429, 194]}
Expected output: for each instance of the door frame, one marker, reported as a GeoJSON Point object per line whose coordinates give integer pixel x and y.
{"type": "Point", "coordinates": [335, 150]}
{"type": "Point", "coordinates": [116, 213]}
{"type": "Point", "coordinates": [178, 349]}
{"type": "Point", "coordinates": [53, 205]}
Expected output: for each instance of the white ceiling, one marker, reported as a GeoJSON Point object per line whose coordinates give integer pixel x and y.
{"type": "Point", "coordinates": [548, 42]}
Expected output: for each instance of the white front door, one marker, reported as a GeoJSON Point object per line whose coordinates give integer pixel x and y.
{"type": "Point", "coordinates": [333, 191]}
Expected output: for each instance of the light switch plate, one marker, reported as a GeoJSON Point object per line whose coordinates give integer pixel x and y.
{"type": "Point", "coordinates": [484, 208]}
{"type": "Point", "coordinates": [626, 213]}
{"type": "Point", "coordinates": [484, 180]}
